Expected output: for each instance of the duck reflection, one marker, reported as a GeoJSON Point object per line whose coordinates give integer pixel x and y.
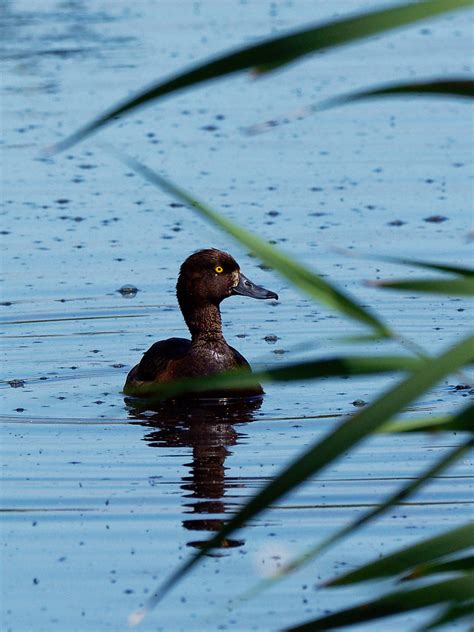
{"type": "Point", "coordinates": [208, 427]}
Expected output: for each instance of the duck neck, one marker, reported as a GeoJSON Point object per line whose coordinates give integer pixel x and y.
{"type": "Point", "coordinates": [203, 321]}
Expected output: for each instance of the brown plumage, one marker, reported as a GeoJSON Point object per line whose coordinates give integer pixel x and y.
{"type": "Point", "coordinates": [206, 278]}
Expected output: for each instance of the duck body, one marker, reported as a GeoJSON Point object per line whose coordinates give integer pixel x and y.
{"type": "Point", "coordinates": [206, 278]}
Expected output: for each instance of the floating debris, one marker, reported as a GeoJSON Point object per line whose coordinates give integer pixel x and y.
{"type": "Point", "coordinates": [271, 339]}
{"type": "Point", "coordinates": [128, 290]}
{"type": "Point", "coordinates": [17, 383]}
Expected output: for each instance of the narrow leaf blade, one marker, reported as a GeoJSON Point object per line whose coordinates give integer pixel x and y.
{"type": "Point", "coordinates": [449, 566]}
{"type": "Point", "coordinates": [464, 421]}
{"type": "Point", "coordinates": [450, 287]}
{"type": "Point", "coordinates": [463, 88]}
{"type": "Point", "coordinates": [298, 371]}
{"type": "Point", "coordinates": [430, 265]}
{"type": "Point", "coordinates": [453, 612]}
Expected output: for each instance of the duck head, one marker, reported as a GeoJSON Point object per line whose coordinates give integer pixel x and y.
{"type": "Point", "coordinates": [210, 276]}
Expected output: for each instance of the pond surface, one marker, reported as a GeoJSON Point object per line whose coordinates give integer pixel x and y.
{"type": "Point", "coordinates": [100, 501]}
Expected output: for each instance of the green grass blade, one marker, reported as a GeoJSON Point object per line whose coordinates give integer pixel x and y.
{"type": "Point", "coordinates": [318, 456]}
{"type": "Point", "coordinates": [304, 278]}
{"type": "Point", "coordinates": [274, 52]}
{"type": "Point", "coordinates": [464, 421]}
{"type": "Point", "coordinates": [430, 265]}
{"type": "Point", "coordinates": [298, 371]}
{"type": "Point", "coordinates": [452, 613]}
{"type": "Point", "coordinates": [442, 87]}
{"type": "Point", "coordinates": [463, 88]}
{"type": "Point", "coordinates": [357, 339]}
{"type": "Point", "coordinates": [460, 564]}
{"type": "Point", "coordinates": [403, 560]}
{"type": "Point", "coordinates": [452, 287]}
{"type": "Point", "coordinates": [452, 590]}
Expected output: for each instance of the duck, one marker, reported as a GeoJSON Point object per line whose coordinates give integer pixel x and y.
{"type": "Point", "coordinates": [206, 278]}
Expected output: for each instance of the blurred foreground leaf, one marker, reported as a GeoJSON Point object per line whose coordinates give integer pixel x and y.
{"type": "Point", "coordinates": [447, 87]}
{"type": "Point", "coordinates": [308, 370]}
{"type": "Point", "coordinates": [460, 88]}
{"type": "Point", "coordinates": [464, 421]}
{"type": "Point", "coordinates": [452, 613]}
{"type": "Point", "coordinates": [430, 265]}
{"type": "Point", "coordinates": [448, 566]}
{"type": "Point", "coordinates": [452, 287]}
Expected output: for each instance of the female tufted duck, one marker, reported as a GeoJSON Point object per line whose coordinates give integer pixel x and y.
{"type": "Point", "coordinates": [205, 279]}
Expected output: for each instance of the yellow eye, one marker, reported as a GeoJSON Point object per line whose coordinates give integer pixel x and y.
{"type": "Point", "coordinates": [219, 269]}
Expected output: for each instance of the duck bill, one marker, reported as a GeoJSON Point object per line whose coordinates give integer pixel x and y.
{"type": "Point", "coordinates": [245, 287]}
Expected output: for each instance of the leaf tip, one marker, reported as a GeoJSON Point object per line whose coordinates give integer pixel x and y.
{"type": "Point", "coordinates": [48, 152]}
{"type": "Point", "coordinates": [373, 283]}
{"type": "Point", "coordinates": [136, 617]}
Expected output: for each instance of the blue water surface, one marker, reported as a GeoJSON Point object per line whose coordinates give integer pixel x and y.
{"type": "Point", "coordinates": [100, 502]}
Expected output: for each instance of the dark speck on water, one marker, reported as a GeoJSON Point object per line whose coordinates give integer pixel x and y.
{"type": "Point", "coordinates": [436, 219]}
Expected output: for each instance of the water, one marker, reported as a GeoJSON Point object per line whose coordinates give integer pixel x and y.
{"type": "Point", "coordinates": [93, 517]}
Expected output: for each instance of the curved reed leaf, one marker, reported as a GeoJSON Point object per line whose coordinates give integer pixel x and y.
{"type": "Point", "coordinates": [298, 371]}
{"type": "Point", "coordinates": [454, 590]}
{"type": "Point", "coordinates": [450, 566]}
{"type": "Point", "coordinates": [304, 278]}
{"type": "Point", "coordinates": [442, 87]}
{"type": "Point", "coordinates": [453, 287]}
{"type": "Point", "coordinates": [275, 52]}
{"type": "Point", "coordinates": [425, 551]}
{"type": "Point", "coordinates": [349, 529]}
{"type": "Point", "coordinates": [318, 456]}
{"type": "Point", "coordinates": [416, 263]}
{"type": "Point", "coordinates": [460, 88]}
{"type": "Point", "coordinates": [464, 421]}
